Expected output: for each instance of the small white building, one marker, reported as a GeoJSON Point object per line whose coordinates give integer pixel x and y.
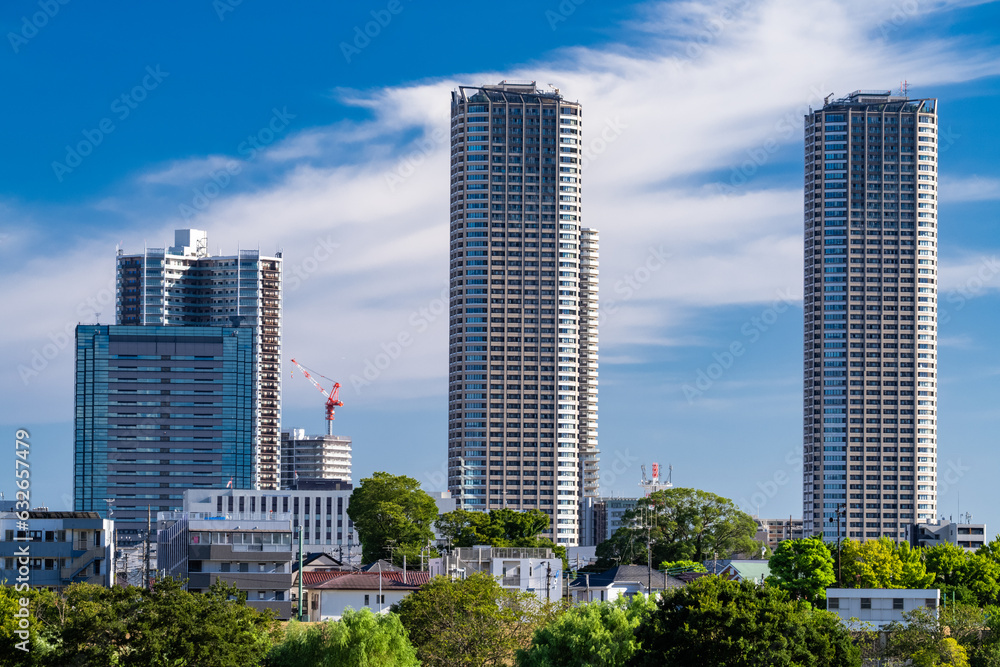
{"type": "Point", "coordinates": [338, 591]}
{"type": "Point", "coordinates": [621, 581]}
{"type": "Point", "coordinates": [880, 606]}
{"type": "Point", "coordinates": [534, 570]}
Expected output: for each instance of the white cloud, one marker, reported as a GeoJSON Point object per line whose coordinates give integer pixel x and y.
{"type": "Point", "coordinates": [969, 188]}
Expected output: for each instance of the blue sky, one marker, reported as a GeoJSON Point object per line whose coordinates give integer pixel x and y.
{"type": "Point", "coordinates": [700, 108]}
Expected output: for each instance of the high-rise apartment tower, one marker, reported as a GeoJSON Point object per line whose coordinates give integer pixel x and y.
{"type": "Point", "coordinates": [184, 285]}
{"type": "Point", "coordinates": [522, 396]}
{"type": "Point", "coordinates": [870, 404]}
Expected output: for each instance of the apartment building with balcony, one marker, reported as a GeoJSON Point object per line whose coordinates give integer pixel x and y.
{"type": "Point", "coordinates": [64, 548]}
{"type": "Point", "coordinates": [870, 367]}
{"type": "Point", "coordinates": [522, 402]}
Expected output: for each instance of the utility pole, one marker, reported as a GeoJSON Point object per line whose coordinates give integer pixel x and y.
{"type": "Point", "coordinates": [841, 509]}
{"type": "Point", "coordinates": [149, 528]}
{"type": "Point", "coordinates": [300, 574]}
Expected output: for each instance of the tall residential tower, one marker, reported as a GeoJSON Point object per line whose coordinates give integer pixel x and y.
{"type": "Point", "coordinates": [184, 285]}
{"type": "Point", "coordinates": [870, 404]}
{"type": "Point", "coordinates": [522, 418]}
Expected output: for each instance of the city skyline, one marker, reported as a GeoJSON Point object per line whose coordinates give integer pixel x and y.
{"type": "Point", "coordinates": [694, 170]}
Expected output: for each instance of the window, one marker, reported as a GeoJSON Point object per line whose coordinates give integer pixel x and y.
{"type": "Point", "coordinates": [866, 603]}
{"type": "Point", "coordinates": [244, 567]}
{"type": "Point", "coordinates": [897, 603]}
{"type": "Point", "coordinates": [224, 567]}
{"type": "Point", "coordinates": [833, 603]}
{"type": "Point", "coordinates": [931, 603]}
{"type": "Point", "coordinates": [367, 601]}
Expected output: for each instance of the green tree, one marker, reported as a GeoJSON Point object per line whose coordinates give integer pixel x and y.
{"type": "Point", "coordinates": [679, 566]}
{"type": "Point", "coordinates": [471, 622]}
{"type": "Point", "coordinates": [713, 621]}
{"type": "Point", "coordinates": [391, 510]}
{"type": "Point", "coordinates": [358, 639]}
{"type": "Point", "coordinates": [883, 564]}
{"type": "Point", "coordinates": [944, 637]}
{"type": "Point", "coordinates": [597, 634]}
{"type": "Point", "coordinates": [973, 577]}
{"type": "Point", "coordinates": [498, 528]}
{"type": "Point", "coordinates": [684, 524]}
{"type": "Point", "coordinates": [802, 567]}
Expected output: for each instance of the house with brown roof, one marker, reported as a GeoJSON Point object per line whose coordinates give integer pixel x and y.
{"type": "Point", "coordinates": [329, 593]}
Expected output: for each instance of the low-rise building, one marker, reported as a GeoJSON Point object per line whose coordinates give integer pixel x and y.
{"type": "Point", "coordinates": [535, 570]}
{"type": "Point", "coordinates": [880, 606]}
{"type": "Point", "coordinates": [601, 517]}
{"type": "Point", "coordinates": [624, 580]}
{"type": "Point", "coordinates": [64, 548]}
{"type": "Point", "coordinates": [330, 593]}
{"type": "Point", "coordinates": [969, 536]}
{"type": "Point", "coordinates": [772, 532]}
{"type": "Point", "coordinates": [322, 514]}
{"type": "Point", "coordinates": [252, 551]}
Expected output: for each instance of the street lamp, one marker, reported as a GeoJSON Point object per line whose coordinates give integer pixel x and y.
{"type": "Point", "coordinates": [841, 510]}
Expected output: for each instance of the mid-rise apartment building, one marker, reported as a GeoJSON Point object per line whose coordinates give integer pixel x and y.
{"type": "Point", "coordinates": [314, 457]}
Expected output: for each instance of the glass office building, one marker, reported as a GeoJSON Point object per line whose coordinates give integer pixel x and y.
{"type": "Point", "coordinates": [160, 409]}
{"type": "Point", "coordinates": [870, 404]}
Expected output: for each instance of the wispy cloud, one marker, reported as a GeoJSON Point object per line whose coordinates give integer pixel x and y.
{"type": "Point", "coordinates": [687, 108]}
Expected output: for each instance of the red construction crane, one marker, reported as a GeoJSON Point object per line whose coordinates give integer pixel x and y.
{"type": "Point", "coordinates": [332, 396]}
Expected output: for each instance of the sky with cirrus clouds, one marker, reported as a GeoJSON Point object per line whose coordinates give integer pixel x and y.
{"type": "Point", "coordinates": [273, 128]}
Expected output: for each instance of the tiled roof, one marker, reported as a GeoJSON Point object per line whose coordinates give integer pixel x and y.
{"type": "Point", "coordinates": [631, 573]}
{"type": "Point", "coordinates": [369, 581]}
{"type": "Point", "coordinates": [316, 577]}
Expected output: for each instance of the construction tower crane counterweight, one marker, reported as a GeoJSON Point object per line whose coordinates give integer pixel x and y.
{"type": "Point", "coordinates": [332, 396]}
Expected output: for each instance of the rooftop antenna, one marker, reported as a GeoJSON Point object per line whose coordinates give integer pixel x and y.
{"type": "Point", "coordinates": [904, 88]}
